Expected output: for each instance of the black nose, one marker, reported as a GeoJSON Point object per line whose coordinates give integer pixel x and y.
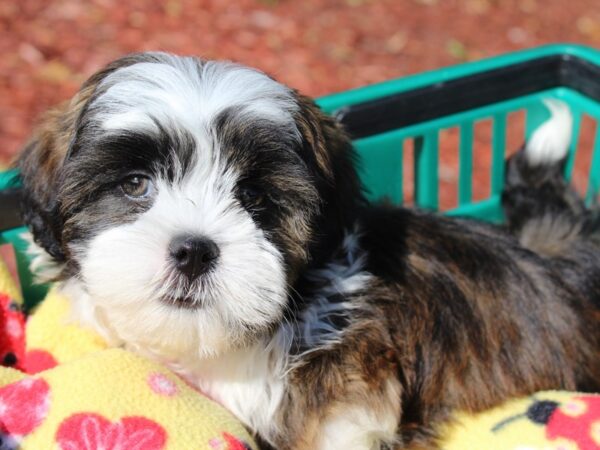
{"type": "Point", "coordinates": [193, 255]}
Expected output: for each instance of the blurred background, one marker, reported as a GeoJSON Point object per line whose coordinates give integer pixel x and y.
{"type": "Point", "coordinates": [49, 47]}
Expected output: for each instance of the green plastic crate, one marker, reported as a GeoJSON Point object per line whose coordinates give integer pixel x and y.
{"type": "Point", "coordinates": [384, 118]}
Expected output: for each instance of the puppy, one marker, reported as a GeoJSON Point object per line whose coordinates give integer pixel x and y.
{"type": "Point", "coordinates": [210, 218]}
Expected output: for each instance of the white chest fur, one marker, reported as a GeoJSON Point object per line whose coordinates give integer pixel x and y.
{"type": "Point", "coordinates": [250, 383]}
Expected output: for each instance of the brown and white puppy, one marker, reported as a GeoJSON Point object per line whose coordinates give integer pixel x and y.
{"type": "Point", "coordinates": [206, 216]}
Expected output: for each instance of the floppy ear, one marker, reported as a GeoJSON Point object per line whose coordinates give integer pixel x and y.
{"type": "Point", "coordinates": [327, 146]}
{"type": "Point", "coordinates": [326, 142]}
{"type": "Point", "coordinates": [40, 164]}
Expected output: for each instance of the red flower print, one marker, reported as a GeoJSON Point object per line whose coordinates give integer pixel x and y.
{"type": "Point", "coordinates": [12, 333]}
{"type": "Point", "coordinates": [574, 420]}
{"type": "Point", "coordinates": [234, 443]}
{"type": "Point", "coordinates": [89, 431]}
{"type": "Point", "coordinates": [39, 360]}
{"type": "Point", "coordinates": [23, 406]}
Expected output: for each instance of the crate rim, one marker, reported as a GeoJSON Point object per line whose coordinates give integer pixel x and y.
{"type": "Point", "coordinates": [332, 102]}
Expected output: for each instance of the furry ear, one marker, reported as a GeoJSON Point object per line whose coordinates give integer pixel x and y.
{"type": "Point", "coordinates": [40, 166]}
{"type": "Point", "coordinates": [329, 146]}
{"type": "Point", "coordinates": [328, 149]}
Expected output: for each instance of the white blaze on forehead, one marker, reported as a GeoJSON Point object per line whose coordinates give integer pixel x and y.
{"type": "Point", "coordinates": [187, 92]}
{"type": "Point", "coordinates": [135, 119]}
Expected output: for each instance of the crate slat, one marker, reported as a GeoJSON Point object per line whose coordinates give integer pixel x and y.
{"type": "Point", "coordinates": [498, 152]}
{"type": "Point", "coordinates": [426, 170]}
{"type": "Point", "coordinates": [465, 164]}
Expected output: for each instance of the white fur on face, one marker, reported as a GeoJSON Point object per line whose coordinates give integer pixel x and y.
{"type": "Point", "coordinates": [127, 271]}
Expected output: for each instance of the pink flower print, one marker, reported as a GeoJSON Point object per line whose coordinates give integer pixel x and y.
{"type": "Point", "coordinates": [23, 406]}
{"type": "Point", "coordinates": [216, 444]}
{"type": "Point", "coordinates": [162, 385]}
{"type": "Point", "coordinates": [89, 431]}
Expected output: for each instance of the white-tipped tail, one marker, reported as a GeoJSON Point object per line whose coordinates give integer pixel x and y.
{"type": "Point", "coordinates": [550, 142]}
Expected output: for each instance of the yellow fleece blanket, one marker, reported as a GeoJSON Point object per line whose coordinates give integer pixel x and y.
{"type": "Point", "coordinates": [84, 395]}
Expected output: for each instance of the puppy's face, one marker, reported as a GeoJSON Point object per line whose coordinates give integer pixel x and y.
{"type": "Point", "coordinates": [184, 197]}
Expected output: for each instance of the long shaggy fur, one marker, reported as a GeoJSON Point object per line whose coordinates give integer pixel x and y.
{"type": "Point", "coordinates": [325, 322]}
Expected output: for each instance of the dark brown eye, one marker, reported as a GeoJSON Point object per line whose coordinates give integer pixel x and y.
{"type": "Point", "coordinates": [137, 186]}
{"type": "Point", "coordinates": [250, 196]}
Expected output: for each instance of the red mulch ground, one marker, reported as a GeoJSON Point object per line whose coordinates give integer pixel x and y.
{"type": "Point", "coordinates": [49, 47]}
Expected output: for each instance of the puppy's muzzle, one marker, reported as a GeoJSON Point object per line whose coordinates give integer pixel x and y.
{"type": "Point", "coordinates": [193, 255]}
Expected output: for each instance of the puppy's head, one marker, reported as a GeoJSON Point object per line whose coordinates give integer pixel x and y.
{"type": "Point", "coordinates": [185, 197]}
